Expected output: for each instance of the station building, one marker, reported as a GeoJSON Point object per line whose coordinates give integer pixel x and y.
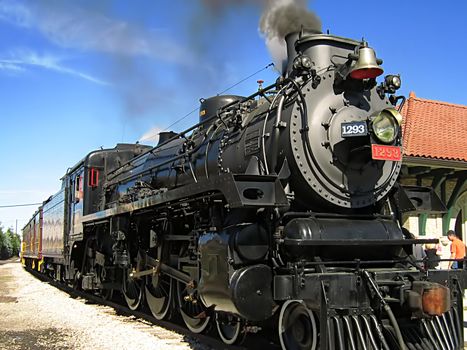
{"type": "Point", "coordinates": [435, 155]}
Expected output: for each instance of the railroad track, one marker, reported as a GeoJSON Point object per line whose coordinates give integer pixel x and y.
{"type": "Point", "coordinates": [253, 341]}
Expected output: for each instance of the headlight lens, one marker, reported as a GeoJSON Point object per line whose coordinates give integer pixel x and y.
{"type": "Point", "coordinates": [385, 126]}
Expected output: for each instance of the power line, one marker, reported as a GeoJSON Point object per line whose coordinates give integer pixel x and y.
{"type": "Point", "coordinates": [223, 91]}
{"type": "Point", "coordinates": [248, 77]}
{"type": "Point", "coordinates": [179, 120]}
{"type": "Point", "coordinates": [19, 205]}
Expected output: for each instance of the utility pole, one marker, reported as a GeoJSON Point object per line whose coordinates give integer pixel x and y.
{"type": "Point", "coordinates": [16, 230]}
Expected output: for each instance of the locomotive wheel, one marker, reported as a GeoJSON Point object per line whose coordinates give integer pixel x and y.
{"type": "Point", "coordinates": [158, 295]}
{"type": "Point", "coordinates": [230, 329]}
{"type": "Point", "coordinates": [105, 293]}
{"type": "Point", "coordinates": [75, 282]}
{"type": "Point", "coordinates": [193, 312]}
{"type": "Point", "coordinates": [133, 293]}
{"type": "Point", "coordinates": [297, 326]}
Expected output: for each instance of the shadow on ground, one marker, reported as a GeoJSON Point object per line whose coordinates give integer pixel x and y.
{"type": "Point", "coordinates": [34, 339]}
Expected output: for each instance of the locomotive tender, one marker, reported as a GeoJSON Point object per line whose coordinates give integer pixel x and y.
{"type": "Point", "coordinates": [278, 210]}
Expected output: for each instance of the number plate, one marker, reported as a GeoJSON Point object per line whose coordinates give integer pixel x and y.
{"type": "Point", "coordinates": [353, 129]}
{"type": "Point", "coordinates": [383, 152]}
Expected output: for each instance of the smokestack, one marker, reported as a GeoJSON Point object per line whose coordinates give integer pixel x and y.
{"type": "Point", "coordinates": [281, 18]}
{"type": "Point", "coordinates": [290, 40]}
{"type": "Point", "coordinates": [320, 48]}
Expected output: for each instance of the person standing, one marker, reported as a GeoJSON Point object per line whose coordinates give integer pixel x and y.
{"type": "Point", "coordinates": [457, 250]}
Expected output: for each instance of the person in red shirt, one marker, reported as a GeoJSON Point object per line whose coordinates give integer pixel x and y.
{"type": "Point", "coordinates": [457, 250]}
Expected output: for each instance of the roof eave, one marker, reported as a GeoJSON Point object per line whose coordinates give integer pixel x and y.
{"type": "Point", "coordinates": [434, 162]}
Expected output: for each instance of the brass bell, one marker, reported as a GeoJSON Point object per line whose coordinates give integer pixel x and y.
{"type": "Point", "coordinates": [366, 66]}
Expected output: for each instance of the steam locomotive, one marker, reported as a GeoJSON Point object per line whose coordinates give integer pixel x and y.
{"type": "Point", "coordinates": [280, 210]}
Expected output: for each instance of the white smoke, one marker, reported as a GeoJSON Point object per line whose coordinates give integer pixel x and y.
{"type": "Point", "coordinates": [151, 136]}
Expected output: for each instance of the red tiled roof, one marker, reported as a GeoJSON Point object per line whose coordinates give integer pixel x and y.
{"type": "Point", "coordinates": [434, 129]}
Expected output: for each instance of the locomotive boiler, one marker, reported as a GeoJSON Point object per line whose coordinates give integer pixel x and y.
{"type": "Point", "coordinates": [280, 210]}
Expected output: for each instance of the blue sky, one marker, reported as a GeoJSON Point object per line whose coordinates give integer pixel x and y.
{"type": "Point", "coordinates": [78, 75]}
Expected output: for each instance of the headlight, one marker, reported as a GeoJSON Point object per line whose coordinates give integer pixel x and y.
{"type": "Point", "coordinates": [386, 125]}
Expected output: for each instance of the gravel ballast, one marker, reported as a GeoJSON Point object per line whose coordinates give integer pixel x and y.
{"type": "Point", "coordinates": [35, 315]}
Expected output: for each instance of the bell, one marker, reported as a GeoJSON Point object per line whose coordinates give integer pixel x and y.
{"type": "Point", "coordinates": [366, 66]}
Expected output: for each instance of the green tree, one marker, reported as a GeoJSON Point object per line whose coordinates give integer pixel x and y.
{"type": "Point", "coordinates": [15, 242]}
{"type": "Point", "coordinates": [6, 249]}
{"type": "Point", "coordinates": [2, 241]}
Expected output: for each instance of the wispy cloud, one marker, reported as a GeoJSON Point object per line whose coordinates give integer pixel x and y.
{"type": "Point", "coordinates": [126, 47]}
{"type": "Point", "coordinates": [11, 67]}
{"type": "Point", "coordinates": [14, 12]}
{"type": "Point", "coordinates": [16, 61]}
{"type": "Point", "coordinates": [68, 25]}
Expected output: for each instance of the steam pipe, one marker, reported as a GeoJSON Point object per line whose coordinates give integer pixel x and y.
{"type": "Point", "coordinates": [263, 142]}
{"type": "Point", "coordinates": [192, 171]}
{"type": "Point", "coordinates": [263, 134]}
{"type": "Point", "coordinates": [206, 152]}
{"type": "Point", "coordinates": [275, 139]}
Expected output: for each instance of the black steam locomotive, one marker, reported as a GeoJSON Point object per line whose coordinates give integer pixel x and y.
{"type": "Point", "coordinates": [282, 208]}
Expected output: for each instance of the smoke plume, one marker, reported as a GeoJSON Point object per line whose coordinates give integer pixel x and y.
{"type": "Point", "coordinates": [281, 17]}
